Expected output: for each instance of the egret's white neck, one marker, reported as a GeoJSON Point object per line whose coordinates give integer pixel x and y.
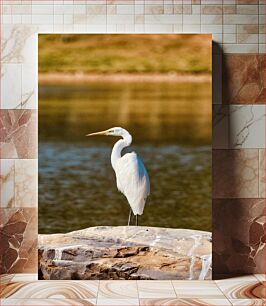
{"type": "Point", "coordinates": [119, 146]}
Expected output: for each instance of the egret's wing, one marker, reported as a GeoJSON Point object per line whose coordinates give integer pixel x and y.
{"type": "Point", "coordinates": [133, 181]}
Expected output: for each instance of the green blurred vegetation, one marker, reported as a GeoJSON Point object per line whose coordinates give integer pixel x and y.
{"type": "Point", "coordinates": [125, 53]}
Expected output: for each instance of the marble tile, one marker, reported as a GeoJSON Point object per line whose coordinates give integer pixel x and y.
{"type": "Point", "coordinates": [260, 277]}
{"type": "Point", "coordinates": [7, 182]}
{"type": "Point", "coordinates": [156, 289]}
{"type": "Point", "coordinates": [239, 238]}
{"type": "Point", "coordinates": [237, 279]}
{"type": "Point", "coordinates": [18, 129]}
{"type": "Point", "coordinates": [52, 302]}
{"type": "Point", "coordinates": [243, 78]}
{"type": "Point", "coordinates": [26, 185]}
{"type": "Point", "coordinates": [29, 92]}
{"type": "Point", "coordinates": [197, 289]}
{"type": "Point", "coordinates": [248, 302]}
{"type": "Point", "coordinates": [117, 302]}
{"type": "Point", "coordinates": [220, 126]}
{"type": "Point", "coordinates": [5, 279]}
{"type": "Point", "coordinates": [262, 172]}
{"type": "Point", "coordinates": [118, 290]}
{"type": "Point", "coordinates": [19, 44]}
{"type": "Point", "coordinates": [242, 290]}
{"type": "Point", "coordinates": [51, 290]}
{"type": "Point", "coordinates": [184, 302]}
{"type": "Point", "coordinates": [18, 233]}
{"type": "Point", "coordinates": [10, 83]}
{"type": "Point", "coordinates": [247, 126]}
{"type": "Point", "coordinates": [235, 173]}
{"type": "Point", "coordinates": [25, 277]}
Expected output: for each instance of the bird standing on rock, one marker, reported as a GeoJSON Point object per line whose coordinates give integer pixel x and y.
{"type": "Point", "coordinates": [131, 176]}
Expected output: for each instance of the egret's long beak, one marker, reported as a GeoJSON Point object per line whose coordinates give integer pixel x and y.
{"type": "Point", "coordinates": [98, 133]}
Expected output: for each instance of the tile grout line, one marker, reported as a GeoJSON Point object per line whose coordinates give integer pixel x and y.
{"type": "Point", "coordinates": [138, 292]}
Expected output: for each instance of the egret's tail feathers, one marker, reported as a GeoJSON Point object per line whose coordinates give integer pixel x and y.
{"type": "Point", "coordinates": [137, 207]}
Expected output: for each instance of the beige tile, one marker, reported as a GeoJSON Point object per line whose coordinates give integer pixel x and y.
{"type": "Point", "coordinates": [229, 38]}
{"type": "Point", "coordinates": [52, 302]}
{"type": "Point", "coordinates": [19, 44]}
{"type": "Point", "coordinates": [117, 302]}
{"type": "Point", "coordinates": [178, 9]}
{"type": "Point", "coordinates": [211, 19]}
{"type": "Point", "coordinates": [247, 9]}
{"type": "Point", "coordinates": [4, 280]}
{"type": "Point", "coordinates": [211, 9]}
{"type": "Point", "coordinates": [247, 29]}
{"type": "Point", "coordinates": [187, 9]}
{"type": "Point", "coordinates": [229, 28]}
{"type": "Point", "coordinates": [118, 290]}
{"type": "Point", "coordinates": [242, 288]}
{"type": "Point", "coordinates": [197, 289]}
{"type": "Point", "coordinates": [229, 9]}
{"type": "Point", "coordinates": [247, 1]}
{"type": "Point", "coordinates": [29, 90]}
{"type": "Point", "coordinates": [26, 185]}
{"type": "Point", "coordinates": [183, 302]}
{"type": "Point", "coordinates": [247, 38]}
{"type": "Point", "coordinates": [155, 289]}
{"type": "Point", "coordinates": [260, 277]}
{"type": "Point", "coordinates": [25, 277]}
{"type": "Point", "coordinates": [51, 290]}
{"type": "Point", "coordinates": [240, 19]}
{"type": "Point", "coordinates": [153, 9]}
{"type": "Point", "coordinates": [239, 279]}
{"type": "Point", "coordinates": [10, 82]}
{"type": "Point", "coordinates": [248, 302]}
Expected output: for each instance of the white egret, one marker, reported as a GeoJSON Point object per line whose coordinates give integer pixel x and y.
{"type": "Point", "coordinates": [131, 176]}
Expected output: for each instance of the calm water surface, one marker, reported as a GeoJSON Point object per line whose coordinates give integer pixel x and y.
{"type": "Point", "coordinates": [171, 129]}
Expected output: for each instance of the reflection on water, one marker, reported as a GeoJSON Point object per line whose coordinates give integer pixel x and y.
{"type": "Point", "coordinates": [171, 128]}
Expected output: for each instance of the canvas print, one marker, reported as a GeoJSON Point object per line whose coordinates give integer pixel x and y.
{"type": "Point", "coordinates": [125, 156]}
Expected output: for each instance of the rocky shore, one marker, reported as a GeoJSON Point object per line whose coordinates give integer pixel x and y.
{"type": "Point", "coordinates": [124, 252]}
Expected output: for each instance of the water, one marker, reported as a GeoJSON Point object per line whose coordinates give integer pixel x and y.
{"type": "Point", "coordinates": [171, 129]}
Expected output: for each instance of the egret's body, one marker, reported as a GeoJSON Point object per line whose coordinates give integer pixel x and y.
{"type": "Point", "coordinates": [131, 176]}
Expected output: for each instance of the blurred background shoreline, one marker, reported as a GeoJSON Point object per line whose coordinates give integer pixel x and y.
{"type": "Point", "coordinates": [124, 58]}
{"type": "Point", "coordinates": [81, 78]}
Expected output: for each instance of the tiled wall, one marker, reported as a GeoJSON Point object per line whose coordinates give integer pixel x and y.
{"type": "Point", "coordinates": [238, 29]}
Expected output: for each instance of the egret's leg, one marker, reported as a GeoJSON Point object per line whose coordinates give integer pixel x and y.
{"type": "Point", "coordinates": [137, 223]}
{"type": "Point", "coordinates": [129, 218]}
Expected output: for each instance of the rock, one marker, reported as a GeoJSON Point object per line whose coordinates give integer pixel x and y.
{"type": "Point", "coordinates": [126, 252]}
